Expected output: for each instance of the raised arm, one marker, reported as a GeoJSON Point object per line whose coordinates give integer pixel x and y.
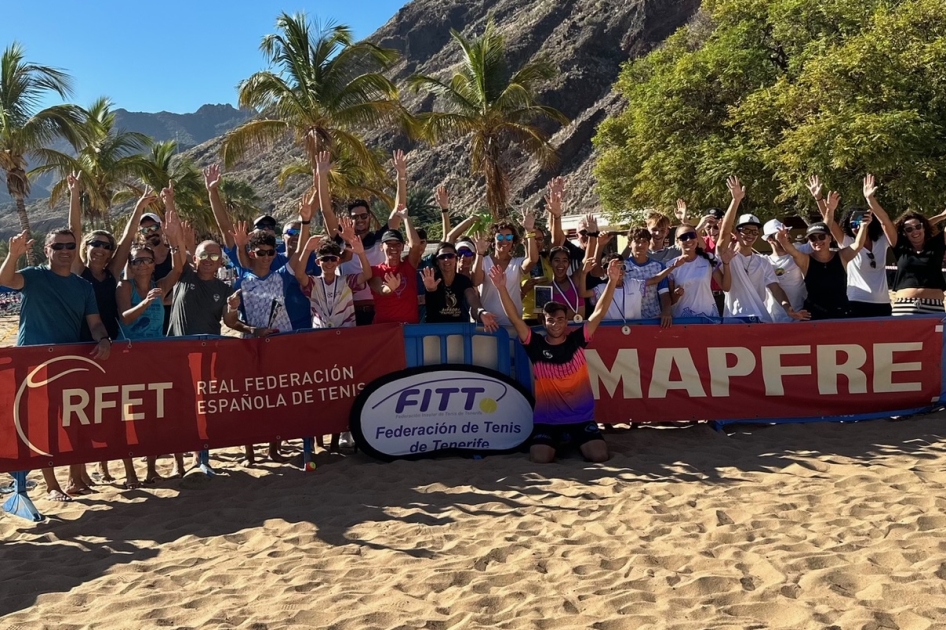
{"type": "Point", "coordinates": [19, 245]}
{"type": "Point", "coordinates": [482, 250]}
{"type": "Point", "coordinates": [830, 205]}
{"type": "Point", "coordinates": [532, 250]}
{"type": "Point", "coordinates": [414, 244]}
{"type": "Point", "coordinates": [75, 216]}
{"type": "Point", "coordinates": [553, 204]}
{"type": "Point", "coordinates": [848, 253]}
{"type": "Point", "coordinates": [443, 200]}
{"type": "Point", "coordinates": [870, 190]}
{"type": "Point", "coordinates": [175, 234]}
{"type": "Point", "coordinates": [738, 192]}
{"type": "Point", "coordinates": [615, 270]}
{"type": "Point", "coordinates": [582, 287]}
{"type": "Point", "coordinates": [400, 201]}
{"type": "Point", "coordinates": [358, 249]}
{"type": "Point", "coordinates": [128, 235]}
{"type": "Point", "coordinates": [299, 261]}
{"type": "Point", "coordinates": [681, 213]}
{"type": "Point", "coordinates": [128, 313]}
{"type": "Point", "coordinates": [800, 259]}
{"type": "Point", "coordinates": [814, 187]}
{"type": "Point", "coordinates": [241, 239]}
{"type": "Point", "coordinates": [498, 277]}
{"type": "Point", "coordinates": [460, 229]}
{"type": "Point", "coordinates": [654, 280]}
{"type": "Point", "coordinates": [221, 216]}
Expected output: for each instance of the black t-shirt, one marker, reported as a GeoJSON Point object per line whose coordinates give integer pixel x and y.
{"type": "Point", "coordinates": [922, 270]}
{"type": "Point", "coordinates": [448, 304]}
{"type": "Point", "coordinates": [106, 301]}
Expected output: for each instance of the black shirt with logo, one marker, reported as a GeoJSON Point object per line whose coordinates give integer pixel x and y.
{"type": "Point", "coordinates": [448, 304]}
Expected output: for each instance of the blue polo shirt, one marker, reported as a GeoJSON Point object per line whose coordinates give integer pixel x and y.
{"type": "Point", "coordinates": [53, 307]}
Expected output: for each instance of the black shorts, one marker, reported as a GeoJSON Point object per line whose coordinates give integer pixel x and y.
{"type": "Point", "coordinates": [560, 436]}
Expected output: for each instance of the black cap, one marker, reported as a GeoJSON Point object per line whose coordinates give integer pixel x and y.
{"type": "Point", "coordinates": [817, 228]}
{"type": "Point", "coordinates": [264, 219]}
{"type": "Point", "coordinates": [392, 236]}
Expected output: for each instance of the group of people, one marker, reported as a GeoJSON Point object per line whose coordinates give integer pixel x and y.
{"type": "Point", "coordinates": [157, 280]}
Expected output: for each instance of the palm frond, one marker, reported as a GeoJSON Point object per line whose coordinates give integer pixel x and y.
{"type": "Point", "coordinates": [259, 133]}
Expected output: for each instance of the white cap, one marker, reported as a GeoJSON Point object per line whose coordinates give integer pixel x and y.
{"type": "Point", "coordinates": [748, 219]}
{"type": "Point", "coordinates": [772, 228]}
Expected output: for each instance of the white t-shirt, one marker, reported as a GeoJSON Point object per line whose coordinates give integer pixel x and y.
{"type": "Point", "coordinates": [750, 276]}
{"type": "Point", "coordinates": [697, 299]}
{"type": "Point", "coordinates": [866, 283]}
{"type": "Point", "coordinates": [627, 300]}
{"type": "Point", "coordinates": [792, 282]}
{"type": "Point", "coordinates": [489, 296]}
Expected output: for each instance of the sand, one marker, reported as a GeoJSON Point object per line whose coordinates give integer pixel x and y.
{"type": "Point", "coordinates": [816, 526]}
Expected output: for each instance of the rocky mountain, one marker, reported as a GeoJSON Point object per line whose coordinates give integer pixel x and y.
{"type": "Point", "coordinates": [188, 130]}
{"type": "Point", "coordinates": [587, 40]}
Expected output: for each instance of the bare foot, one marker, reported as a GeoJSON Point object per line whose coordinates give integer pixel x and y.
{"type": "Point", "coordinates": [77, 490]}
{"type": "Point", "coordinates": [103, 471]}
{"type": "Point", "coordinates": [59, 496]}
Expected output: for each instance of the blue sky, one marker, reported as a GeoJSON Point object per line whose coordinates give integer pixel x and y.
{"type": "Point", "coordinates": [170, 55]}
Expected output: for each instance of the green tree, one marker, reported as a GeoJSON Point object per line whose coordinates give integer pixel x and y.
{"type": "Point", "coordinates": [107, 159]}
{"type": "Point", "coordinates": [776, 90]}
{"type": "Point", "coordinates": [24, 128]}
{"type": "Point", "coordinates": [492, 107]}
{"type": "Point", "coordinates": [321, 90]}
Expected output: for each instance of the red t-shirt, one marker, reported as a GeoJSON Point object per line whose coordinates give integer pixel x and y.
{"type": "Point", "coordinates": [399, 307]}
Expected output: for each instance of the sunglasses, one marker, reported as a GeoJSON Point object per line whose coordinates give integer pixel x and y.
{"type": "Point", "coordinates": [465, 253]}
{"type": "Point", "coordinates": [689, 236]}
{"type": "Point", "coordinates": [206, 256]}
{"type": "Point", "coordinates": [329, 258]}
{"type": "Point", "coordinates": [873, 261]}
{"type": "Point", "coordinates": [583, 233]}
{"type": "Point", "coordinates": [265, 252]}
{"type": "Point", "coordinates": [142, 261]}
{"type": "Point", "coordinates": [910, 229]}
{"type": "Point", "coordinates": [360, 215]}
{"type": "Point", "coordinates": [292, 232]}
{"type": "Point", "coordinates": [505, 237]}
{"type": "Point", "coordinates": [814, 238]}
{"type": "Point", "coordinates": [446, 256]}
{"type": "Point", "coordinates": [102, 244]}
{"type": "Point", "coordinates": [61, 246]}
{"type": "Point", "coordinates": [149, 229]}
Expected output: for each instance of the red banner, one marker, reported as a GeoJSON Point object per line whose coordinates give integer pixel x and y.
{"type": "Point", "coordinates": [158, 397]}
{"type": "Point", "coordinates": [765, 371]}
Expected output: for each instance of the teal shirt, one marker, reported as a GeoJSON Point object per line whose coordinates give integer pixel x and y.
{"type": "Point", "coordinates": [53, 307]}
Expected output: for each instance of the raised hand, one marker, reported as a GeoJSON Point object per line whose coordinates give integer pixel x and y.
{"type": "Point", "coordinates": [147, 198]}
{"type": "Point", "coordinates": [489, 321]}
{"type": "Point", "coordinates": [728, 253]}
{"type": "Point", "coordinates": [154, 294]}
{"type": "Point", "coordinates": [553, 200]}
{"type": "Point", "coordinates": [870, 187]}
{"type": "Point", "coordinates": [189, 236]}
{"type": "Point", "coordinates": [814, 187]}
{"type": "Point", "coordinates": [528, 220]}
{"type": "Point", "coordinates": [615, 270]}
{"type": "Point", "coordinates": [400, 163]}
{"type": "Point", "coordinates": [782, 236]}
{"type": "Point", "coordinates": [212, 176]}
{"type": "Point", "coordinates": [865, 221]}
{"type": "Point", "coordinates": [72, 181]}
{"type": "Point", "coordinates": [346, 227]}
{"type": "Point", "coordinates": [431, 282]}
{"type": "Point", "coordinates": [20, 244]}
{"type": "Point", "coordinates": [443, 197]}
{"type": "Point", "coordinates": [497, 276]}
{"type": "Point", "coordinates": [240, 235]}
{"type": "Point", "coordinates": [587, 265]}
{"type": "Point", "coordinates": [481, 242]}
{"type": "Point", "coordinates": [604, 238]}
{"type": "Point", "coordinates": [167, 195]}
{"type": "Point", "coordinates": [736, 189]}
{"type": "Point", "coordinates": [307, 205]}
{"type": "Point", "coordinates": [323, 162]}
{"type": "Point", "coordinates": [357, 247]}
{"type": "Point", "coordinates": [833, 200]}
{"type": "Point", "coordinates": [402, 212]}
{"type": "Point", "coordinates": [313, 243]}
{"type": "Point", "coordinates": [172, 226]}
{"type": "Point", "coordinates": [591, 223]}
{"type": "Point", "coordinates": [392, 281]}
{"type": "Point", "coordinates": [681, 212]}
{"type": "Point", "coordinates": [233, 302]}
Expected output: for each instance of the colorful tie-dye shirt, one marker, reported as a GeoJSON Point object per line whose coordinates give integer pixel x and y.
{"type": "Point", "coordinates": [562, 384]}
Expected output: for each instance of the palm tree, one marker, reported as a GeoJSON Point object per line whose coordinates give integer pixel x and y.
{"type": "Point", "coordinates": [322, 87]}
{"type": "Point", "coordinates": [23, 129]}
{"type": "Point", "coordinates": [165, 164]}
{"type": "Point", "coordinates": [106, 158]}
{"type": "Point", "coordinates": [495, 109]}
{"type": "Point", "coordinates": [240, 198]}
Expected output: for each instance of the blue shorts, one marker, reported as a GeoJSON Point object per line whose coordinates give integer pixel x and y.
{"type": "Point", "coordinates": [560, 436]}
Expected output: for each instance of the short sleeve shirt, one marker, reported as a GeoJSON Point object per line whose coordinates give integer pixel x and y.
{"type": "Point", "coordinates": [332, 304]}
{"type": "Point", "coordinates": [626, 303]}
{"type": "Point", "coordinates": [401, 306]}
{"type": "Point", "coordinates": [53, 307]}
{"type": "Point", "coordinates": [448, 304]}
{"type": "Point", "coordinates": [650, 296]}
{"type": "Point", "coordinates": [263, 300]}
{"type": "Point", "coordinates": [562, 383]}
{"type": "Point", "coordinates": [198, 305]}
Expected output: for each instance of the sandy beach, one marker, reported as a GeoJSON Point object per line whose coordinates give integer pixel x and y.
{"type": "Point", "coordinates": [816, 526]}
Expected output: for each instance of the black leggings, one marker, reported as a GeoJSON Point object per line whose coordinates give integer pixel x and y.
{"type": "Point", "coordinates": [870, 309]}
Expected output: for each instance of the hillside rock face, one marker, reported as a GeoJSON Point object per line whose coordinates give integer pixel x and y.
{"type": "Point", "coordinates": [188, 130]}
{"type": "Point", "coordinates": [587, 40]}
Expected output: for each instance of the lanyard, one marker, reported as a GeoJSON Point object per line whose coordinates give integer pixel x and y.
{"type": "Point", "coordinates": [565, 297]}
{"type": "Point", "coordinates": [330, 305]}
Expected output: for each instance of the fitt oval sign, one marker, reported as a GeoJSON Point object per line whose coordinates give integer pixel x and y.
{"type": "Point", "coordinates": [438, 410]}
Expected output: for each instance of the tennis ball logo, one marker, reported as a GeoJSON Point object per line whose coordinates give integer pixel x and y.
{"type": "Point", "coordinates": [488, 405]}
